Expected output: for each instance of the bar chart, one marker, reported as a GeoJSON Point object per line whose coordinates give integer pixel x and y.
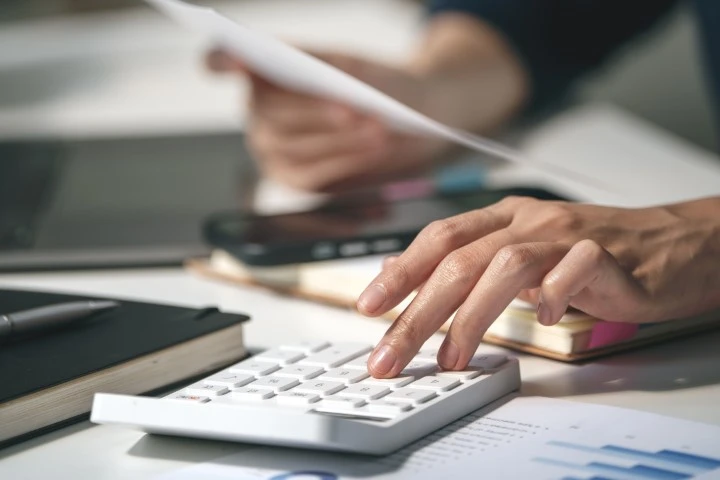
{"type": "Point", "coordinates": [615, 462]}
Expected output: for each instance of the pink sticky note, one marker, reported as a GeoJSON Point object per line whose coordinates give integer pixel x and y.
{"type": "Point", "coordinates": [609, 333]}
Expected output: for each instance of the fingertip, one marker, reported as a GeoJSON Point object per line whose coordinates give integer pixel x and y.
{"type": "Point", "coordinates": [449, 355]}
{"type": "Point", "coordinates": [383, 361]}
{"type": "Point", "coordinates": [372, 299]}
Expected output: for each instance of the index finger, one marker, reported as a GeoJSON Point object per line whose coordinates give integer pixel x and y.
{"type": "Point", "coordinates": [431, 246]}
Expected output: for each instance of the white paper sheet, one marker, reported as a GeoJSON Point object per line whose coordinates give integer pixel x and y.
{"type": "Point", "coordinates": [288, 67]}
{"type": "Point", "coordinates": [536, 438]}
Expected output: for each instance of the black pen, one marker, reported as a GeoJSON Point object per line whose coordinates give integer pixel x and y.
{"type": "Point", "coordinates": [51, 317]}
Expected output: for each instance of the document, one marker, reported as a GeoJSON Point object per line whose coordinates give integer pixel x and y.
{"type": "Point", "coordinates": [530, 437]}
{"type": "Point", "coordinates": [297, 71]}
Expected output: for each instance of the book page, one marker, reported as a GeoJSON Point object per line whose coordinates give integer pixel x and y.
{"type": "Point", "coordinates": [532, 437]}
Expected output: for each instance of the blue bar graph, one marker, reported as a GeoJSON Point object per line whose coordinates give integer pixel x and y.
{"type": "Point", "coordinates": [637, 472]}
{"type": "Point", "coordinates": [646, 465]}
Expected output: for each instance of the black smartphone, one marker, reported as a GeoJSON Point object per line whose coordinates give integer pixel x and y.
{"type": "Point", "coordinates": [369, 225]}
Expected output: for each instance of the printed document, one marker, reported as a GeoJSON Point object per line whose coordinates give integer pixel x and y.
{"type": "Point", "coordinates": [531, 437]}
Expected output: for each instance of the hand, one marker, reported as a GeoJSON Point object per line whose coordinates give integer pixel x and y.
{"type": "Point", "coordinates": [625, 265]}
{"type": "Point", "coordinates": [318, 145]}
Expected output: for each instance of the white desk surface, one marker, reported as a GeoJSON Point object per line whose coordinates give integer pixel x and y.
{"type": "Point", "coordinates": [680, 379]}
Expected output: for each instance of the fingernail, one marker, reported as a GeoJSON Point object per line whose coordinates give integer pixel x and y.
{"type": "Point", "coordinates": [544, 315]}
{"type": "Point", "coordinates": [383, 360]}
{"type": "Point", "coordinates": [372, 298]}
{"type": "Point", "coordinates": [448, 355]}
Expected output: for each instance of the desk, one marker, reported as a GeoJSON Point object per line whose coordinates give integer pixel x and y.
{"type": "Point", "coordinates": [680, 379]}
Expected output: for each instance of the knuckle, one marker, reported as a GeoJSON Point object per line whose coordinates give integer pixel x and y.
{"type": "Point", "coordinates": [398, 275]}
{"type": "Point", "coordinates": [560, 217]}
{"type": "Point", "coordinates": [408, 330]}
{"type": "Point", "coordinates": [260, 141]}
{"type": "Point", "coordinates": [592, 251]}
{"type": "Point", "coordinates": [446, 233]}
{"type": "Point", "coordinates": [514, 258]}
{"type": "Point", "coordinates": [515, 201]}
{"type": "Point", "coordinates": [459, 267]}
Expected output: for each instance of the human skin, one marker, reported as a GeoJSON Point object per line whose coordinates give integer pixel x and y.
{"type": "Point", "coordinates": [464, 75]}
{"type": "Point", "coordinates": [625, 265]}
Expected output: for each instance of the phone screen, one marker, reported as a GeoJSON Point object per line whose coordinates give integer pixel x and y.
{"type": "Point", "coordinates": [372, 225]}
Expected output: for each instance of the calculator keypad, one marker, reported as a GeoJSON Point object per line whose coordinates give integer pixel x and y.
{"type": "Point", "coordinates": [333, 379]}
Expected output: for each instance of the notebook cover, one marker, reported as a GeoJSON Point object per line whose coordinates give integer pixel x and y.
{"type": "Point", "coordinates": [201, 266]}
{"type": "Point", "coordinates": [110, 338]}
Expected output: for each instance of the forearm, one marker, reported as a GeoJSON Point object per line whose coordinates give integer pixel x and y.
{"type": "Point", "coordinates": [698, 244]}
{"type": "Point", "coordinates": [480, 82]}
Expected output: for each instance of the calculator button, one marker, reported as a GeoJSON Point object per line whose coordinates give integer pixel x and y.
{"type": "Point", "coordinates": [306, 347]}
{"type": "Point", "coordinates": [437, 384]}
{"type": "Point", "coordinates": [229, 380]}
{"type": "Point", "coordinates": [344, 375]}
{"type": "Point", "coordinates": [367, 392]}
{"type": "Point", "coordinates": [419, 369]}
{"type": "Point", "coordinates": [252, 394]}
{"type": "Point", "coordinates": [387, 407]}
{"type": "Point", "coordinates": [411, 395]}
{"type": "Point", "coordinates": [428, 355]}
{"type": "Point", "coordinates": [488, 362]}
{"type": "Point", "coordinates": [396, 382]}
{"type": "Point", "coordinates": [339, 402]}
{"type": "Point", "coordinates": [206, 390]}
{"type": "Point", "coordinates": [464, 375]}
{"type": "Point", "coordinates": [254, 367]}
{"type": "Point", "coordinates": [336, 355]}
{"type": "Point", "coordinates": [188, 398]}
{"type": "Point", "coordinates": [279, 356]}
{"type": "Point", "coordinates": [300, 372]}
{"type": "Point", "coordinates": [296, 398]}
{"type": "Point", "coordinates": [276, 384]}
{"type": "Point", "coordinates": [319, 387]}
{"type": "Point", "coordinates": [359, 363]}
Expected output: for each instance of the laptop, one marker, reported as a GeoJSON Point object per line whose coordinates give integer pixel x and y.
{"type": "Point", "coordinates": [116, 202]}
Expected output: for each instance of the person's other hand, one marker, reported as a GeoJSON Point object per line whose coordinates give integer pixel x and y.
{"type": "Point", "coordinates": [625, 265]}
{"type": "Point", "coordinates": [320, 145]}
{"type": "Point", "coordinates": [464, 76]}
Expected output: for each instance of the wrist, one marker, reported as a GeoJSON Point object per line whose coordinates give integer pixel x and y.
{"type": "Point", "coordinates": [472, 77]}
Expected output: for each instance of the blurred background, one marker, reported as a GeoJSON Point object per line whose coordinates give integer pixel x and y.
{"type": "Point", "coordinates": [112, 70]}
{"type": "Point", "coordinates": [82, 61]}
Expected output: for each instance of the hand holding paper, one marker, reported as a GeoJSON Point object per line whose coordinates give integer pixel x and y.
{"type": "Point", "coordinates": [290, 69]}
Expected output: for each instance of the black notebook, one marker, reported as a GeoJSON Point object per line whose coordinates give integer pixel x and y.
{"type": "Point", "coordinates": [137, 348]}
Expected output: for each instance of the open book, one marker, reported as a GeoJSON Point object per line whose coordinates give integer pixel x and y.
{"type": "Point", "coordinates": [340, 283]}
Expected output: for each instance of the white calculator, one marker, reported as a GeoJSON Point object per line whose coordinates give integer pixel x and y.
{"type": "Point", "coordinates": [318, 395]}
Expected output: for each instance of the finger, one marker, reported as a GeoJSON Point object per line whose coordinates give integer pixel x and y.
{"type": "Point", "coordinates": [512, 269]}
{"type": "Point", "coordinates": [530, 295]}
{"type": "Point", "coordinates": [421, 258]}
{"type": "Point", "coordinates": [287, 112]}
{"type": "Point", "coordinates": [313, 147]}
{"type": "Point", "coordinates": [590, 279]}
{"type": "Point", "coordinates": [388, 261]}
{"type": "Point", "coordinates": [326, 175]}
{"type": "Point", "coordinates": [444, 292]}
{"type": "Point", "coordinates": [220, 61]}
